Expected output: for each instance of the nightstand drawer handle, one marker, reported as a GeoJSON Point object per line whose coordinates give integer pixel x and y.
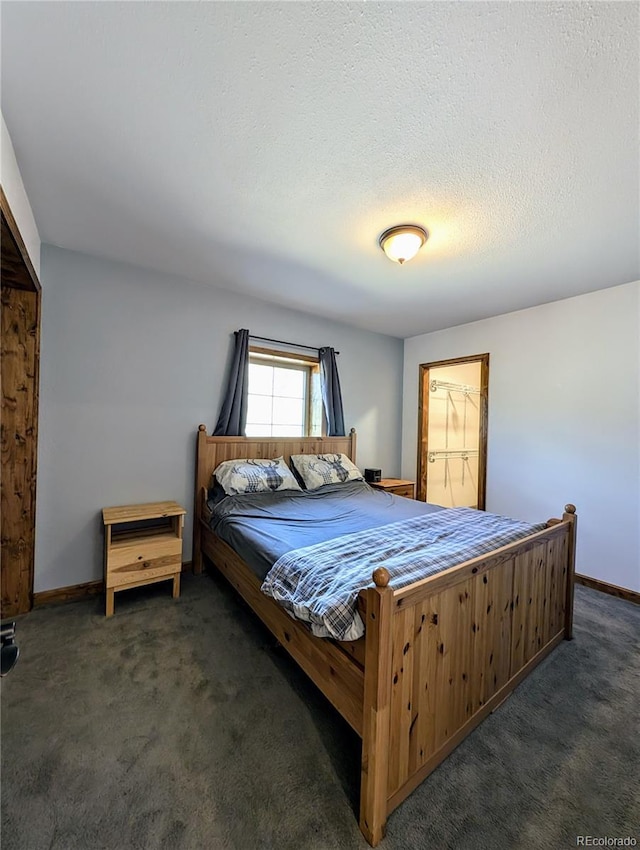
{"type": "Point", "coordinates": [145, 565]}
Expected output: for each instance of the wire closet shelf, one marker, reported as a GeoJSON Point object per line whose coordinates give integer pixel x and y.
{"type": "Point", "coordinates": [436, 385]}
{"type": "Point", "coordinates": [446, 454]}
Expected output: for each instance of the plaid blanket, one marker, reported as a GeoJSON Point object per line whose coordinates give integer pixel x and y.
{"type": "Point", "coordinates": [320, 584]}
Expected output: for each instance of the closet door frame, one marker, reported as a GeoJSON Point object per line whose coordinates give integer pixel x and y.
{"type": "Point", "coordinates": [423, 422]}
{"type": "Point", "coordinates": [20, 367]}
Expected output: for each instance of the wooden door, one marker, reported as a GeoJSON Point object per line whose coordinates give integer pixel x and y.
{"type": "Point", "coordinates": [458, 447]}
{"type": "Point", "coordinates": [20, 361]}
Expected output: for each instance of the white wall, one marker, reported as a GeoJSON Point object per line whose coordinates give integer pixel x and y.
{"type": "Point", "coordinates": [11, 181]}
{"type": "Point", "coordinates": [564, 423]}
{"type": "Point", "coordinates": [132, 362]}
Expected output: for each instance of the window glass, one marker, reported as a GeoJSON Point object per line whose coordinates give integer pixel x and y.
{"type": "Point", "coordinates": [287, 431]}
{"type": "Point", "coordinates": [260, 409]}
{"type": "Point", "coordinates": [255, 430]}
{"type": "Point", "coordinates": [289, 382]}
{"type": "Point", "coordinates": [260, 379]}
{"type": "Point", "coordinates": [288, 411]}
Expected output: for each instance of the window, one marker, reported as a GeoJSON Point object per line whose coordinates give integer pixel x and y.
{"type": "Point", "coordinates": [284, 395]}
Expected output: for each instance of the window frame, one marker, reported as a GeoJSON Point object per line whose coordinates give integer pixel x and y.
{"type": "Point", "coordinates": [314, 419]}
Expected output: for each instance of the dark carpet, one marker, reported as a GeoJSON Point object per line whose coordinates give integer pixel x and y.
{"type": "Point", "coordinates": [180, 724]}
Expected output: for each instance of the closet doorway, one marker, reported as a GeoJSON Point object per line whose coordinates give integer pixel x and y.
{"type": "Point", "coordinates": [452, 432]}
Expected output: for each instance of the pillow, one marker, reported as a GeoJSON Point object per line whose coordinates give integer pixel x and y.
{"type": "Point", "coordinates": [255, 475]}
{"type": "Point", "coordinates": [318, 470]}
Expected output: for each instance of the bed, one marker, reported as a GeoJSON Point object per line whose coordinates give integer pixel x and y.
{"type": "Point", "coordinates": [437, 655]}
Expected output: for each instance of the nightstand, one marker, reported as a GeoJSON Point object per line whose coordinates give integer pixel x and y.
{"type": "Point", "coordinates": [142, 545]}
{"type": "Point", "coordinates": [397, 486]}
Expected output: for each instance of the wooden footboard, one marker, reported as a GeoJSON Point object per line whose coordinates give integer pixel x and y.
{"type": "Point", "coordinates": [444, 652]}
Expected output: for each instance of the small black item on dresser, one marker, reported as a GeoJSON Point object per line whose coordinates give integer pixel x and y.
{"type": "Point", "coordinates": [372, 475]}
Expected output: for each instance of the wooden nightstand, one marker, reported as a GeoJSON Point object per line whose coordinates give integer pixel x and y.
{"type": "Point", "coordinates": [397, 486]}
{"type": "Point", "coordinates": [142, 545]}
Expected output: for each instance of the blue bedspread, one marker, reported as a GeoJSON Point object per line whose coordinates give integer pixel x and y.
{"type": "Point", "coordinates": [320, 583]}
{"type": "Point", "coordinates": [261, 527]}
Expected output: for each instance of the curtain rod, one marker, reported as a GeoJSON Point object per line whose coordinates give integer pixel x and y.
{"type": "Point", "coordinates": [282, 342]}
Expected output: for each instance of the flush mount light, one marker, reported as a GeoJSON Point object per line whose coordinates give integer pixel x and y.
{"type": "Point", "coordinates": [402, 243]}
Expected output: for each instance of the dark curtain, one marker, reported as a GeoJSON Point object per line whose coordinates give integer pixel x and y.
{"type": "Point", "coordinates": [331, 394]}
{"type": "Point", "coordinates": [233, 415]}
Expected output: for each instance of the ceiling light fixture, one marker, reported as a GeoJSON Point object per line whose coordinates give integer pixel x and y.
{"type": "Point", "coordinates": [402, 243]}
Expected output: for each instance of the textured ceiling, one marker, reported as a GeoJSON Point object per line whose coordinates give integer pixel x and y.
{"type": "Point", "coordinates": [262, 147]}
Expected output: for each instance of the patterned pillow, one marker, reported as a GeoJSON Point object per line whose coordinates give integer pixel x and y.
{"type": "Point", "coordinates": [255, 475]}
{"type": "Point", "coordinates": [318, 470]}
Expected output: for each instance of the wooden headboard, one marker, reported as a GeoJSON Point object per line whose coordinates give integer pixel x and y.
{"type": "Point", "coordinates": [213, 450]}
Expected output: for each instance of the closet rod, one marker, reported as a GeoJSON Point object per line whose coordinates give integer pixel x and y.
{"type": "Point", "coordinates": [448, 385]}
{"type": "Point", "coordinates": [447, 453]}
{"type": "Point", "coordinates": [283, 342]}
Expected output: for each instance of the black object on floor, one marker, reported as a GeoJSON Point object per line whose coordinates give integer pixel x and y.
{"type": "Point", "coordinates": [9, 652]}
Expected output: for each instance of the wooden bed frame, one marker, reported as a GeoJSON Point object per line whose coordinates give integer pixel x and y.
{"type": "Point", "coordinates": [438, 655]}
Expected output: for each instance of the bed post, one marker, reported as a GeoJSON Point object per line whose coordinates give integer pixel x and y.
{"type": "Point", "coordinates": [377, 706]}
{"type": "Point", "coordinates": [570, 516]}
{"type": "Point", "coordinates": [196, 556]}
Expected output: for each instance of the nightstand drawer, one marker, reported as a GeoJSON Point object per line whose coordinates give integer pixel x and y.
{"type": "Point", "coordinates": [148, 548]}
{"type": "Point", "coordinates": [403, 490]}
{"type": "Point", "coordinates": [142, 570]}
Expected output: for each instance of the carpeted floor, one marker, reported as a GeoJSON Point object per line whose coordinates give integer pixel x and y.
{"type": "Point", "coordinates": [182, 725]}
